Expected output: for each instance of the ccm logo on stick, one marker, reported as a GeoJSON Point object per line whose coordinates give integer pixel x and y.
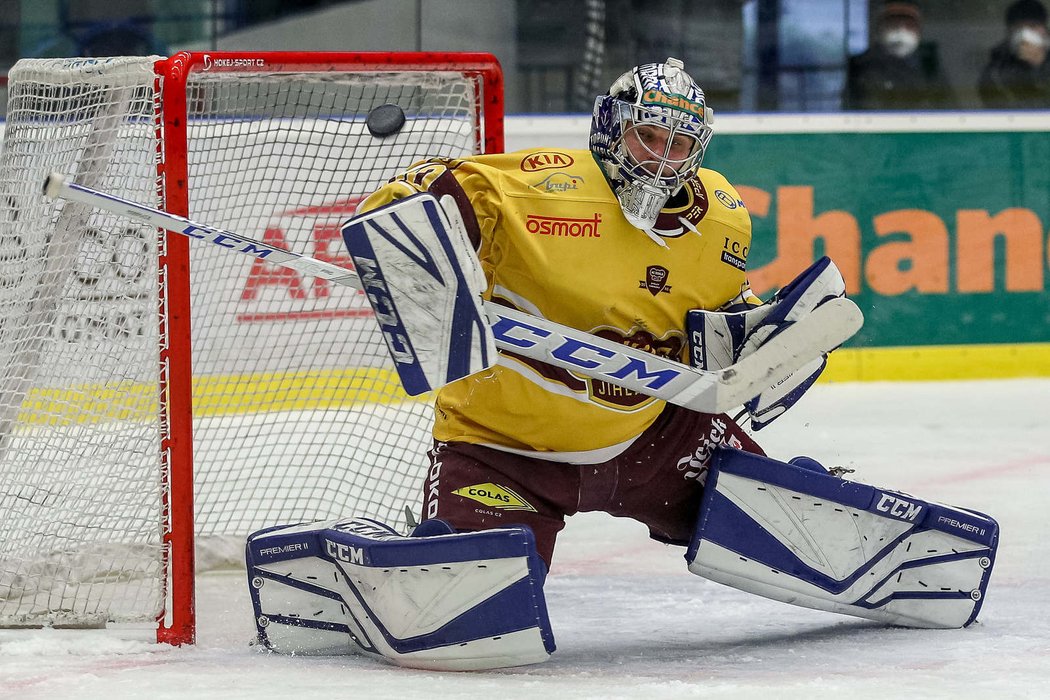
{"type": "Point", "coordinates": [581, 354]}
{"type": "Point", "coordinates": [898, 507]}
{"type": "Point", "coordinates": [226, 240]}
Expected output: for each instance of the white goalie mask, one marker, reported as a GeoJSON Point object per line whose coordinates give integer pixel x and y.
{"type": "Point", "coordinates": [650, 133]}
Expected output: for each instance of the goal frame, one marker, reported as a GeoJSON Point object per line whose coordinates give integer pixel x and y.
{"type": "Point", "coordinates": [176, 624]}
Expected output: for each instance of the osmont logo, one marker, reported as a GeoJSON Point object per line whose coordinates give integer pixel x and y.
{"type": "Point", "coordinates": [210, 62]}
{"type": "Point", "coordinates": [561, 226]}
{"type": "Point", "coordinates": [545, 160]}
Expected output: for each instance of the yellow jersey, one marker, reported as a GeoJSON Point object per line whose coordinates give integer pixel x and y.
{"type": "Point", "coordinates": [553, 242]}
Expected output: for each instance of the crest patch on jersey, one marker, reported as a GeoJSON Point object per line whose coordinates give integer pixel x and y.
{"type": "Point", "coordinates": [494, 496]}
{"type": "Point", "coordinates": [656, 280]}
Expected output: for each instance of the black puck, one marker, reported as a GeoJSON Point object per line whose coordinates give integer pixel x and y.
{"type": "Point", "coordinates": [385, 120]}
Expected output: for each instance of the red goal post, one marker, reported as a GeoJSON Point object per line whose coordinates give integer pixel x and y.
{"type": "Point", "coordinates": [275, 403]}
{"type": "Point", "coordinates": [176, 72]}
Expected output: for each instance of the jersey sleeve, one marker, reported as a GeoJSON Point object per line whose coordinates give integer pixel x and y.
{"type": "Point", "coordinates": [734, 232]}
{"type": "Point", "coordinates": [467, 185]}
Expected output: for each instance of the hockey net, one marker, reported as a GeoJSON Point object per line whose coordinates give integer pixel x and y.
{"type": "Point", "coordinates": [114, 453]}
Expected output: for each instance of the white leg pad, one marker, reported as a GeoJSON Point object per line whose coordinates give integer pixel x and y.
{"type": "Point", "coordinates": [464, 601]}
{"type": "Point", "coordinates": [811, 539]}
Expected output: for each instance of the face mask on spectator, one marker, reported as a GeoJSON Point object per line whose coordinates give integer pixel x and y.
{"type": "Point", "coordinates": [899, 42]}
{"type": "Point", "coordinates": [1026, 35]}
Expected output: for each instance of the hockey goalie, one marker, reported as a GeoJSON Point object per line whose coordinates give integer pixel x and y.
{"type": "Point", "coordinates": [633, 241]}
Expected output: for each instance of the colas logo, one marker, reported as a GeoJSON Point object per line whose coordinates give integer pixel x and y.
{"type": "Point", "coordinates": [494, 496]}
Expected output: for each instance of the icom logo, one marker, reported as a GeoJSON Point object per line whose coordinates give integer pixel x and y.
{"type": "Point", "coordinates": [734, 253]}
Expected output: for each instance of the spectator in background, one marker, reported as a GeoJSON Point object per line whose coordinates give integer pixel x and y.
{"type": "Point", "coordinates": [1018, 75]}
{"type": "Point", "coordinates": [899, 71]}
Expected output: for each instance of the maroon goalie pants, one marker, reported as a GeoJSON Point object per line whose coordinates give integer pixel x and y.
{"type": "Point", "coordinates": [657, 481]}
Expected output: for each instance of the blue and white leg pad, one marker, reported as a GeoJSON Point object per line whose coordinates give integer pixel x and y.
{"type": "Point", "coordinates": [802, 536]}
{"type": "Point", "coordinates": [463, 601]}
{"type": "Point", "coordinates": [424, 282]}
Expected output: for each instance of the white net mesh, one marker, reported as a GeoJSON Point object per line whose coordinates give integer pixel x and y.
{"type": "Point", "coordinates": [298, 415]}
{"type": "Point", "coordinates": [80, 472]}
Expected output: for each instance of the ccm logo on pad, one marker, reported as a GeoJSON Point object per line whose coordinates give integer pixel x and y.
{"type": "Point", "coordinates": [344, 552]}
{"type": "Point", "coordinates": [898, 508]}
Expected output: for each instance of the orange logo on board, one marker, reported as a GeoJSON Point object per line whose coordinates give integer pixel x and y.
{"type": "Point", "coordinates": [655, 97]}
{"type": "Point", "coordinates": [545, 160]}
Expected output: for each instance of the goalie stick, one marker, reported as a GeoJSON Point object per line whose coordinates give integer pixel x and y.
{"type": "Point", "coordinates": [823, 330]}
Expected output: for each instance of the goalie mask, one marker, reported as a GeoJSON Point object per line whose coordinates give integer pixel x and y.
{"type": "Point", "coordinates": [650, 133]}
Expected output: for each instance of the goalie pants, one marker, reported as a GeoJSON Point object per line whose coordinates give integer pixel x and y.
{"type": "Point", "coordinates": [657, 481]}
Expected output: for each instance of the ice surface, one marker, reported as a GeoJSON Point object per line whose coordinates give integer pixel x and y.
{"type": "Point", "coordinates": [631, 622]}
